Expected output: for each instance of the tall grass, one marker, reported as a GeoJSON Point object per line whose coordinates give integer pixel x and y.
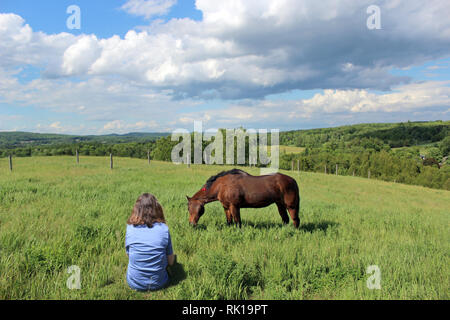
{"type": "Point", "coordinates": [55, 213]}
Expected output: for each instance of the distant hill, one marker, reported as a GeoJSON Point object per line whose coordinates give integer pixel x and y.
{"type": "Point", "coordinates": [11, 140]}
{"type": "Point", "coordinates": [395, 135]}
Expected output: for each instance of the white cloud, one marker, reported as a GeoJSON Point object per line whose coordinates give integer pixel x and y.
{"type": "Point", "coordinates": [242, 49]}
{"type": "Point", "coordinates": [19, 45]}
{"type": "Point", "coordinates": [246, 49]}
{"type": "Point", "coordinates": [148, 8]}
{"type": "Point", "coordinates": [334, 106]}
{"type": "Point", "coordinates": [79, 57]}
{"type": "Point", "coordinates": [406, 98]}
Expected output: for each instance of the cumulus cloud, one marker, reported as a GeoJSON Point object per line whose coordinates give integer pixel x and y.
{"type": "Point", "coordinates": [20, 45]}
{"type": "Point", "coordinates": [241, 52]}
{"type": "Point", "coordinates": [248, 49]}
{"type": "Point", "coordinates": [97, 101]}
{"type": "Point", "coordinates": [407, 98]}
{"type": "Point", "coordinates": [427, 99]}
{"type": "Point", "coordinates": [79, 57]}
{"type": "Point", "coordinates": [120, 113]}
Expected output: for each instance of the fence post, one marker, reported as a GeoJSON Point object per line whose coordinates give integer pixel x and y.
{"type": "Point", "coordinates": [10, 163]}
{"type": "Point", "coordinates": [298, 165]}
{"type": "Point", "coordinates": [325, 169]}
{"type": "Point", "coordinates": [336, 169]}
{"type": "Point", "coordinates": [148, 156]}
{"type": "Point", "coordinates": [188, 160]}
{"type": "Point", "coordinates": [292, 165]}
{"type": "Point", "coordinates": [78, 156]}
{"type": "Point", "coordinates": [368, 174]}
{"type": "Point", "coordinates": [353, 172]}
{"type": "Point", "coordinates": [111, 161]}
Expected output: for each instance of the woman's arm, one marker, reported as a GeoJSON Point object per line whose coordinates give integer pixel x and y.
{"type": "Point", "coordinates": [171, 259]}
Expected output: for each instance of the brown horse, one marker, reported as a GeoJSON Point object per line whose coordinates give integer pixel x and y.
{"type": "Point", "coordinates": [237, 189]}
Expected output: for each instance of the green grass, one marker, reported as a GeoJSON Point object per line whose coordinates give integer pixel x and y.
{"type": "Point", "coordinates": [54, 214]}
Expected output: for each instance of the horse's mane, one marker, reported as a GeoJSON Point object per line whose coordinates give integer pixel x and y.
{"type": "Point", "coordinates": [221, 174]}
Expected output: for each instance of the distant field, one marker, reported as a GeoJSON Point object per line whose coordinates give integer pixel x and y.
{"type": "Point", "coordinates": [54, 214]}
{"type": "Point", "coordinates": [291, 149]}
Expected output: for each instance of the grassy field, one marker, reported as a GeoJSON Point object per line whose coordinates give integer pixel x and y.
{"type": "Point", "coordinates": [291, 149]}
{"type": "Point", "coordinates": [54, 214]}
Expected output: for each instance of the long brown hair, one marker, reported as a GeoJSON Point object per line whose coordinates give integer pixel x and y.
{"type": "Point", "coordinates": [146, 210]}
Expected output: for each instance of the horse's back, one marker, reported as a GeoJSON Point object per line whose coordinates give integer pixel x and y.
{"type": "Point", "coordinates": [282, 181]}
{"type": "Point", "coordinates": [260, 191]}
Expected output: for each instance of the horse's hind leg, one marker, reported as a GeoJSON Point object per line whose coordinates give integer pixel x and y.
{"type": "Point", "coordinates": [293, 212]}
{"type": "Point", "coordinates": [292, 203]}
{"type": "Point", "coordinates": [283, 214]}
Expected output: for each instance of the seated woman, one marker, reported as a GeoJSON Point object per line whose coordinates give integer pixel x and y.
{"type": "Point", "coordinates": [148, 245]}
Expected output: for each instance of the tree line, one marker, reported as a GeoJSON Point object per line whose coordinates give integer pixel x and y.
{"type": "Point", "coordinates": [393, 134]}
{"type": "Point", "coordinates": [357, 157]}
{"type": "Point", "coordinates": [23, 140]}
{"type": "Point", "coordinates": [132, 149]}
{"type": "Point", "coordinates": [411, 153]}
{"type": "Point", "coordinates": [379, 162]}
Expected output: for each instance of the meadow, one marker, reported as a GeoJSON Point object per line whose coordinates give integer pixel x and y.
{"type": "Point", "coordinates": [291, 149]}
{"type": "Point", "coordinates": [55, 213]}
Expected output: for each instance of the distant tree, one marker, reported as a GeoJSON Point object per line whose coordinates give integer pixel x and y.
{"type": "Point", "coordinates": [444, 146]}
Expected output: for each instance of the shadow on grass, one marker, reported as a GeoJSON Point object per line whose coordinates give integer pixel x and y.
{"type": "Point", "coordinates": [177, 274]}
{"type": "Point", "coordinates": [317, 226]}
{"type": "Point", "coordinates": [266, 225]}
{"type": "Point", "coordinates": [308, 227]}
{"type": "Point", "coordinates": [201, 227]}
{"type": "Point", "coordinates": [262, 225]}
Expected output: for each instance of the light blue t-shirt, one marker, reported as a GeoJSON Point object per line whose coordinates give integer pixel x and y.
{"type": "Point", "coordinates": [147, 249]}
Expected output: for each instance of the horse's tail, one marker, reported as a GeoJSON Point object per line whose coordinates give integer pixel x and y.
{"type": "Point", "coordinates": [291, 186]}
{"type": "Point", "coordinates": [292, 201]}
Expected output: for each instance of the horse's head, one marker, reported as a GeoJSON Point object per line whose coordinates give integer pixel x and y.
{"type": "Point", "coordinates": [196, 210]}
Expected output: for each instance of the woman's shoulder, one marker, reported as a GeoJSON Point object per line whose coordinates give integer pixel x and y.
{"type": "Point", "coordinates": [161, 225]}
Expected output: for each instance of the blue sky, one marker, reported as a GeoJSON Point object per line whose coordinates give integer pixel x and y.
{"type": "Point", "coordinates": [103, 18]}
{"type": "Point", "coordinates": [158, 65]}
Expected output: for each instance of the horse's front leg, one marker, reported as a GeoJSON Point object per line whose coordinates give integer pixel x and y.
{"type": "Point", "coordinates": [236, 214]}
{"type": "Point", "coordinates": [228, 215]}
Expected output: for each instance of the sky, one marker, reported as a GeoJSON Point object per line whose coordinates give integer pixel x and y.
{"type": "Point", "coordinates": [160, 65]}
